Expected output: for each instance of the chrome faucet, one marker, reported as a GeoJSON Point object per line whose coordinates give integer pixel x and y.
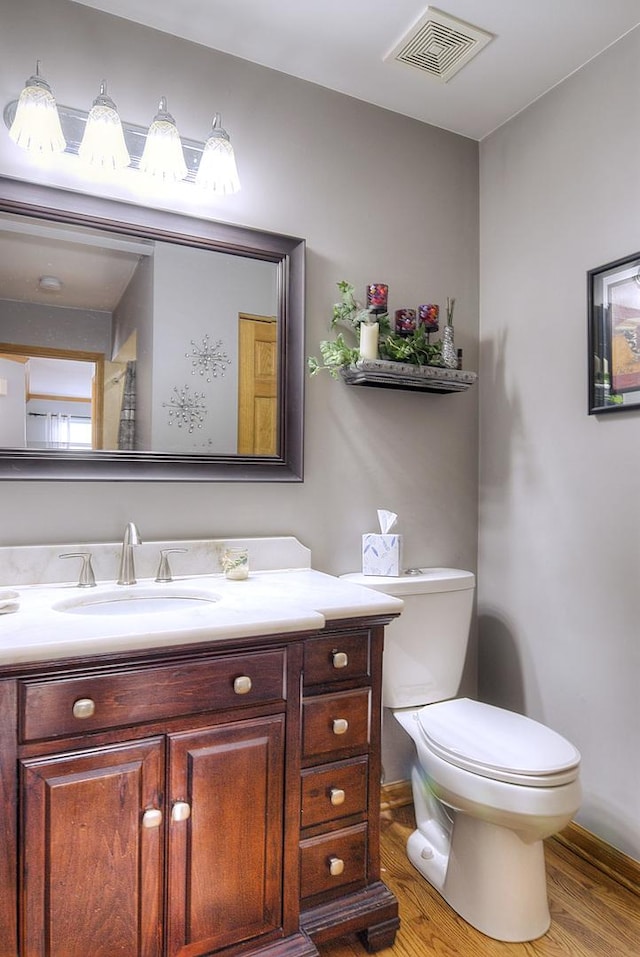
{"type": "Point", "coordinates": [127, 574]}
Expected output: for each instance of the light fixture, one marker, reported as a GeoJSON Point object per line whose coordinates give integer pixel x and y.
{"type": "Point", "coordinates": [102, 140]}
{"type": "Point", "coordinates": [217, 170]}
{"type": "Point", "coordinates": [162, 156]}
{"type": "Point", "coordinates": [103, 143]}
{"type": "Point", "coordinates": [36, 125]}
{"type": "Point", "coordinates": [49, 284]}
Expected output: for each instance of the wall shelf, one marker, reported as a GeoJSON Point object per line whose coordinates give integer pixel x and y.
{"type": "Point", "coordinates": [385, 374]}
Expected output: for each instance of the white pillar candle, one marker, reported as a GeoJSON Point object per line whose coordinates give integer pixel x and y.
{"type": "Point", "coordinates": [369, 340]}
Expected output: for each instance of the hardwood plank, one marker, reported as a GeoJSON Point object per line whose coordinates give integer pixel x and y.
{"type": "Point", "coordinates": [592, 915]}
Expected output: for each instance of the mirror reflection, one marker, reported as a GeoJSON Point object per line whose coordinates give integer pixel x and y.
{"type": "Point", "coordinates": [110, 341]}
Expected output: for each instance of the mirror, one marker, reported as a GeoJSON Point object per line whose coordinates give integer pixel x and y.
{"type": "Point", "coordinates": [142, 344]}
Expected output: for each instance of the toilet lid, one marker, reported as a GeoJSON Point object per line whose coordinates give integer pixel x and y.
{"type": "Point", "coordinates": [498, 744]}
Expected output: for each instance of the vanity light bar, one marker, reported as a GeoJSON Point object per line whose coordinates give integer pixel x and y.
{"type": "Point", "coordinates": [73, 124]}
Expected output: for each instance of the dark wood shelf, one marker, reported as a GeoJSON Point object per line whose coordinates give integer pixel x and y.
{"type": "Point", "coordinates": [385, 374]}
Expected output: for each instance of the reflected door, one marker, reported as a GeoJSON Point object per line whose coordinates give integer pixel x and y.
{"type": "Point", "coordinates": [257, 386]}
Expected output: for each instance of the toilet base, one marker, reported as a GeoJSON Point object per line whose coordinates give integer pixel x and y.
{"type": "Point", "coordinates": [490, 877]}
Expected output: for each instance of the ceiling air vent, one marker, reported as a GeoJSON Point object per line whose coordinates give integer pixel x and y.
{"type": "Point", "coordinates": [439, 45]}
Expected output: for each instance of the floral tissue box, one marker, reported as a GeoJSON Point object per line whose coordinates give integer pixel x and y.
{"type": "Point", "coordinates": [381, 554]}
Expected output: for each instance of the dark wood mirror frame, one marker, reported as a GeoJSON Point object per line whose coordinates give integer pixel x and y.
{"type": "Point", "coordinates": [286, 252]}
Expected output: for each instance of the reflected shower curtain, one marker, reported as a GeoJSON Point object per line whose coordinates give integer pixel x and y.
{"type": "Point", "coordinates": [57, 430]}
{"type": "Point", "coordinates": [127, 427]}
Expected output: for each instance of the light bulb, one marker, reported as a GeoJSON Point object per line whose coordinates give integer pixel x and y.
{"type": "Point", "coordinates": [162, 156]}
{"type": "Point", "coordinates": [217, 171]}
{"type": "Point", "coordinates": [103, 144]}
{"type": "Point", "coordinates": [36, 125]}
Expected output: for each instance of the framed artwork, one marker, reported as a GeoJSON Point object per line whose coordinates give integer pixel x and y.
{"type": "Point", "coordinates": [613, 293]}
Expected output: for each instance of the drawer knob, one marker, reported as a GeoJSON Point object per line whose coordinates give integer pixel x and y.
{"type": "Point", "coordinates": [181, 811]}
{"type": "Point", "coordinates": [242, 684]}
{"type": "Point", "coordinates": [152, 818]}
{"type": "Point", "coordinates": [336, 796]}
{"type": "Point", "coordinates": [340, 659]}
{"type": "Point", "coordinates": [340, 725]}
{"type": "Point", "coordinates": [84, 708]}
{"type": "Point", "coordinates": [336, 866]}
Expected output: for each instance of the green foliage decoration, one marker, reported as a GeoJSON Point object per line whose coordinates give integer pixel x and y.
{"type": "Point", "coordinates": [414, 349]}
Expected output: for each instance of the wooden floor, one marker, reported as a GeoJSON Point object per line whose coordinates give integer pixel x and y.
{"type": "Point", "coordinates": [591, 914]}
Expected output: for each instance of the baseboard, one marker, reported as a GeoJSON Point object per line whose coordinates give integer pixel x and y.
{"type": "Point", "coordinates": [395, 794]}
{"type": "Point", "coordinates": [576, 838]}
{"type": "Point", "coordinates": [605, 857]}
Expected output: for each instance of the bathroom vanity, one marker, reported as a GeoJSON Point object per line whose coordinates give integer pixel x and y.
{"type": "Point", "coordinates": [201, 788]}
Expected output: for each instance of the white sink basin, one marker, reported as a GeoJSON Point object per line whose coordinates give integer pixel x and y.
{"type": "Point", "coordinates": [136, 602]}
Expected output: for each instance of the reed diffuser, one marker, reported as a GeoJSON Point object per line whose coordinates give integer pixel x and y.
{"type": "Point", "coordinates": [449, 354]}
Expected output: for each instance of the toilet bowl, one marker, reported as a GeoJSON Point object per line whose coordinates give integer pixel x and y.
{"type": "Point", "coordinates": [481, 820]}
{"type": "Point", "coordinates": [489, 786]}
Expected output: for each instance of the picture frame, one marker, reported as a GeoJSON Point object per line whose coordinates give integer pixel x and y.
{"type": "Point", "coordinates": [613, 295]}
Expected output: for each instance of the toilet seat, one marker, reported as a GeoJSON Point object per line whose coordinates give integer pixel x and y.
{"type": "Point", "coordinates": [498, 744]}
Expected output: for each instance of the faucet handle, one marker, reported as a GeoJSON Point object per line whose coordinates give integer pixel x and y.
{"type": "Point", "coordinates": [164, 570]}
{"type": "Point", "coordinates": [87, 578]}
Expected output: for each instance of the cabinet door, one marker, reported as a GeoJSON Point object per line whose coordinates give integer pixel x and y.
{"type": "Point", "coordinates": [92, 853]}
{"type": "Point", "coordinates": [225, 835]}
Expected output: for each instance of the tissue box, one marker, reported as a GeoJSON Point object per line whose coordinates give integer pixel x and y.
{"type": "Point", "coordinates": [381, 554]}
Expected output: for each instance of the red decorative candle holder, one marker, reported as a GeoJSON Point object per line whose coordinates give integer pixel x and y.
{"type": "Point", "coordinates": [428, 315]}
{"type": "Point", "coordinates": [405, 321]}
{"type": "Point", "coordinates": [377, 294]}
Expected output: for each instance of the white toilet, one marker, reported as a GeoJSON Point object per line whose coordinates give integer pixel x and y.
{"type": "Point", "coordinates": [488, 785]}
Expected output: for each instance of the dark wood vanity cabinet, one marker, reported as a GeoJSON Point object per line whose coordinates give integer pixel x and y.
{"type": "Point", "coordinates": [91, 868]}
{"type": "Point", "coordinates": [340, 789]}
{"type": "Point", "coordinates": [212, 799]}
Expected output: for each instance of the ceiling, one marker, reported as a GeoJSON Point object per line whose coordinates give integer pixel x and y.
{"type": "Point", "coordinates": [341, 45]}
{"type": "Point", "coordinates": [93, 270]}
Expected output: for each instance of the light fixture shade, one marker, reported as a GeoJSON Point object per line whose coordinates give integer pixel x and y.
{"type": "Point", "coordinates": [103, 145]}
{"type": "Point", "coordinates": [162, 156]}
{"type": "Point", "coordinates": [217, 171]}
{"type": "Point", "coordinates": [36, 125]}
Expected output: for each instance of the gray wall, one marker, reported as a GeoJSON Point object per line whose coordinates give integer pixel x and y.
{"type": "Point", "coordinates": [57, 327]}
{"type": "Point", "coordinates": [559, 558]}
{"type": "Point", "coordinates": [197, 292]}
{"type": "Point", "coordinates": [378, 197]}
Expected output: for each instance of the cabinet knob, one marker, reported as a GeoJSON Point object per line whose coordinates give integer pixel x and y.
{"type": "Point", "coordinates": [242, 684]}
{"type": "Point", "coordinates": [340, 725]}
{"type": "Point", "coordinates": [181, 811]}
{"type": "Point", "coordinates": [336, 796]}
{"type": "Point", "coordinates": [336, 866]}
{"type": "Point", "coordinates": [84, 708]}
{"type": "Point", "coordinates": [340, 659]}
{"type": "Point", "coordinates": [152, 817]}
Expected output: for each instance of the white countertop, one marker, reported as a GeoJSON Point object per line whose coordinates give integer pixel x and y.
{"type": "Point", "coordinates": [268, 602]}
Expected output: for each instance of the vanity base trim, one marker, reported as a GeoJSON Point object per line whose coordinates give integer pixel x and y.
{"type": "Point", "coordinates": [372, 913]}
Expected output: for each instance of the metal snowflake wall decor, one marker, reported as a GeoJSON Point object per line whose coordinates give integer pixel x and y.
{"type": "Point", "coordinates": [208, 359]}
{"type": "Point", "coordinates": [186, 410]}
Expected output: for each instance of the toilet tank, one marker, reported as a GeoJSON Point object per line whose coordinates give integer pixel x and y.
{"type": "Point", "coordinates": [425, 648]}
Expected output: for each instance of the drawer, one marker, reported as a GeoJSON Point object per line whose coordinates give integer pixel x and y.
{"type": "Point", "coordinates": [331, 861]}
{"type": "Point", "coordinates": [333, 791]}
{"type": "Point", "coordinates": [336, 658]}
{"type": "Point", "coordinates": [334, 723]}
{"type": "Point", "coordinates": [56, 707]}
